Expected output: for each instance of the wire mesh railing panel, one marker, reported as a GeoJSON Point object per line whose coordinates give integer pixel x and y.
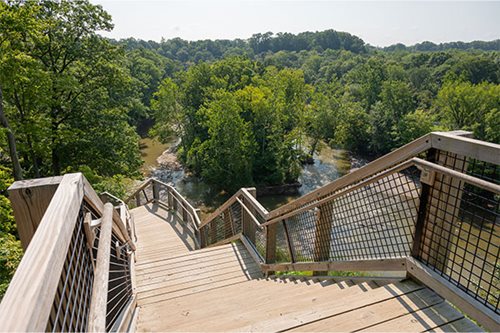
{"type": "Point", "coordinates": [71, 303]}
{"type": "Point", "coordinates": [461, 235]}
{"type": "Point", "coordinates": [120, 283]}
{"type": "Point", "coordinates": [376, 221]}
{"type": "Point", "coordinates": [227, 224]}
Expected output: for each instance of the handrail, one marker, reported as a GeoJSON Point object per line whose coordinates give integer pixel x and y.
{"type": "Point", "coordinates": [253, 218]}
{"type": "Point", "coordinates": [243, 192]}
{"type": "Point", "coordinates": [97, 313]}
{"type": "Point", "coordinates": [456, 142]}
{"type": "Point", "coordinates": [118, 226]}
{"type": "Point", "coordinates": [28, 301]}
{"type": "Point", "coordinates": [184, 202]}
{"type": "Point", "coordinates": [47, 281]}
{"type": "Point", "coordinates": [412, 162]}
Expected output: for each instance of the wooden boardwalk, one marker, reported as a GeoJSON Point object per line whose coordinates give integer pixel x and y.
{"type": "Point", "coordinates": [222, 289]}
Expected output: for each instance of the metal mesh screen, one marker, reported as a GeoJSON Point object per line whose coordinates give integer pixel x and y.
{"type": "Point", "coordinates": [460, 239]}
{"type": "Point", "coordinates": [120, 282]}
{"type": "Point", "coordinates": [372, 222]}
{"type": "Point", "coordinates": [71, 304]}
{"type": "Point", "coordinates": [227, 224]}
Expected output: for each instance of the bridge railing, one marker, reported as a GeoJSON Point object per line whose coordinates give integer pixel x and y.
{"type": "Point", "coordinates": [430, 209]}
{"type": "Point", "coordinates": [155, 191]}
{"type": "Point", "coordinates": [77, 271]}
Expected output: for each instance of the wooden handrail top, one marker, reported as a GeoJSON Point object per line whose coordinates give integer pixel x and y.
{"type": "Point", "coordinates": [454, 142]}
{"type": "Point", "coordinates": [241, 193]}
{"type": "Point", "coordinates": [137, 190]}
{"type": "Point", "coordinates": [252, 217]}
{"type": "Point", "coordinates": [118, 225]}
{"type": "Point", "coordinates": [415, 161]}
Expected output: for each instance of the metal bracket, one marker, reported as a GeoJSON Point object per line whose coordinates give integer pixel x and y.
{"type": "Point", "coordinates": [427, 176]}
{"type": "Point", "coordinates": [119, 248]}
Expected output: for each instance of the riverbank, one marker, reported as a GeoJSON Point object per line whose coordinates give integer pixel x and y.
{"type": "Point", "coordinates": [161, 163]}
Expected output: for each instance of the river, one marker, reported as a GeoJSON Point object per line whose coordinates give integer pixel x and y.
{"type": "Point", "coordinates": [329, 164]}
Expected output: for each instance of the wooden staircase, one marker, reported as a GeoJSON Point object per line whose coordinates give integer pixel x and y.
{"type": "Point", "coordinates": [223, 289]}
{"type": "Point", "coordinates": [419, 226]}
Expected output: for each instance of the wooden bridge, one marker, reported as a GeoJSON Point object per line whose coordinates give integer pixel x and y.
{"type": "Point", "coordinates": [409, 242]}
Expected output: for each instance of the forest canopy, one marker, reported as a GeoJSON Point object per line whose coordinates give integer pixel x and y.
{"type": "Point", "coordinates": [248, 111]}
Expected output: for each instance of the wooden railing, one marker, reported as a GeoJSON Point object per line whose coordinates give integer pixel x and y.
{"type": "Point", "coordinates": [155, 191]}
{"type": "Point", "coordinates": [430, 209]}
{"type": "Point", "coordinates": [77, 270]}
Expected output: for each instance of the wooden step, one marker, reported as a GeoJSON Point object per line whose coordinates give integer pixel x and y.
{"type": "Point", "coordinates": [265, 313]}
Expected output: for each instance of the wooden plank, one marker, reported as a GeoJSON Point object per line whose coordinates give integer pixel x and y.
{"type": "Point", "coordinates": [460, 145]}
{"type": "Point", "coordinates": [238, 298]}
{"type": "Point", "coordinates": [428, 318]}
{"type": "Point", "coordinates": [374, 314]}
{"type": "Point", "coordinates": [141, 187]}
{"type": "Point", "coordinates": [355, 265]}
{"type": "Point", "coordinates": [225, 241]}
{"type": "Point", "coordinates": [28, 301]}
{"type": "Point", "coordinates": [271, 313]}
{"type": "Point", "coordinates": [195, 288]}
{"type": "Point", "coordinates": [182, 267]}
{"type": "Point", "coordinates": [461, 325]}
{"type": "Point", "coordinates": [171, 278]}
{"type": "Point", "coordinates": [204, 276]}
{"type": "Point", "coordinates": [324, 305]}
{"type": "Point", "coordinates": [98, 303]}
{"type": "Point", "coordinates": [453, 294]}
{"type": "Point", "coordinates": [323, 234]}
{"type": "Point", "coordinates": [30, 199]}
{"type": "Point", "coordinates": [221, 250]}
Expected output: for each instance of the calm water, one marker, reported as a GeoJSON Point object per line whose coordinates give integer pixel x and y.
{"type": "Point", "coordinates": [329, 164]}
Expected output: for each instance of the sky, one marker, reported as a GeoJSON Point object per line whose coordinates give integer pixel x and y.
{"type": "Point", "coordinates": [377, 23]}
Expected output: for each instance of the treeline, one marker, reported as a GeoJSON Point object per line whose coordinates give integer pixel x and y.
{"type": "Point", "coordinates": [209, 50]}
{"type": "Point", "coordinates": [427, 46]}
{"type": "Point", "coordinates": [264, 43]}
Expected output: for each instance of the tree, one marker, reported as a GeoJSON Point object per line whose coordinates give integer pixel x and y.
{"type": "Point", "coordinates": [167, 110]}
{"type": "Point", "coordinates": [468, 106]}
{"type": "Point", "coordinates": [227, 153]}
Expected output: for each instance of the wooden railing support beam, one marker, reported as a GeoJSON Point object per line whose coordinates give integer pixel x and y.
{"type": "Point", "coordinates": [97, 314]}
{"type": "Point", "coordinates": [30, 199]}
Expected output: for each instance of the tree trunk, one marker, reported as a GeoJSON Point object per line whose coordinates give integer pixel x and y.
{"type": "Point", "coordinates": [313, 147]}
{"type": "Point", "coordinates": [18, 172]}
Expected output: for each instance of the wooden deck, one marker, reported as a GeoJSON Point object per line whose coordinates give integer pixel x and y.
{"type": "Point", "coordinates": [222, 289]}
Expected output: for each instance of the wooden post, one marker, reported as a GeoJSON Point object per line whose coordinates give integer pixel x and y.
{"type": "Point", "coordinates": [138, 199]}
{"type": "Point", "coordinates": [184, 215]}
{"type": "Point", "coordinates": [156, 191]}
{"type": "Point", "coordinates": [444, 204]}
{"type": "Point", "coordinates": [423, 203]}
{"type": "Point", "coordinates": [228, 223]}
{"type": "Point", "coordinates": [98, 304]}
{"type": "Point", "coordinates": [249, 227]}
{"type": "Point", "coordinates": [443, 208]}
{"type": "Point", "coordinates": [322, 241]}
{"type": "Point", "coordinates": [30, 199]}
{"type": "Point", "coordinates": [170, 199]}
{"type": "Point", "coordinates": [271, 245]}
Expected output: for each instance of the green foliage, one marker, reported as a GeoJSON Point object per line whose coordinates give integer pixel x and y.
{"type": "Point", "coordinates": [471, 106]}
{"type": "Point", "coordinates": [10, 248]}
{"type": "Point", "coordinates": [10, 256]}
